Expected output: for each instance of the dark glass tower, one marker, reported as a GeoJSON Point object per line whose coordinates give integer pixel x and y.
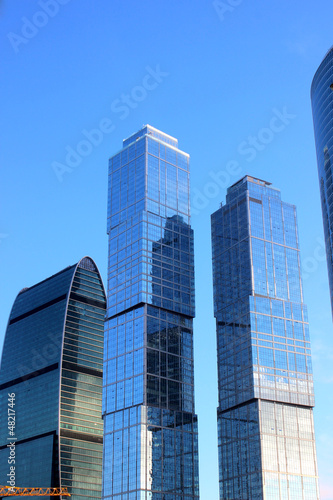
{"type": "Point", "coordinates": [322, 110]}
{"type": "Point", "coordinates": [265, 421]}
{"type": "Point", "coordinates": [150, 428]}
{"type": "Point", "coordinates": [52, 361]}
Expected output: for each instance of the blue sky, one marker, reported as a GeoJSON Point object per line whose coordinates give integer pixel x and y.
{"type": "Point", "coordinates": [232, 84]}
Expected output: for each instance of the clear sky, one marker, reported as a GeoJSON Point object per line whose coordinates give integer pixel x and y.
{"type": "Point", "coordinates": [232, 83]}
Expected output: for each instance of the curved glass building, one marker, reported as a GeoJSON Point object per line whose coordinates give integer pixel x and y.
{"type": "Point", "coordinates": [51, 383]}
{"type": "Point", "coordinates": [322, 109]}
{"type": "Point", "coordinates": [265, 384]}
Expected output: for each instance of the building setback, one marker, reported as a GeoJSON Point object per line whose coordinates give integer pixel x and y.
{"type": "Point", "coordinates": [322, 106]}
{"type": "Point", "coordinates": [265, 421]}
{"type": "Point", "coordinates": [52, 364]}
{"type": "Point", "coordinates": [150, 428]}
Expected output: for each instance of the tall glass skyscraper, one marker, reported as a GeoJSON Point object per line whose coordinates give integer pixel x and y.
{"type": "Point", "coordinates": [322, 109]}
{"type": "Point", "coordinates": [265, 422]}
{"type": "Point", "coordinates": [52, 368]}
{"type": "Point", "coordinates": [150, 428]}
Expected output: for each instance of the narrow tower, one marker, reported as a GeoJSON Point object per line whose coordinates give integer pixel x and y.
{"type": "Point", "coordinates": [151, 444]}
{"type": "Point", "coordinates": [265, 422]}
{"type": "Point", "coordinates": [322, 110]}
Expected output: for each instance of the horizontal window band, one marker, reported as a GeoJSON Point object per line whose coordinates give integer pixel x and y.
{"type": "Point", "coordinates": [231, 323]}
{"type": "Point", "coordinates": [235, 407]}
{"type": "Point", "coordinates": [88, 300]}
{"type": "Point", "coordinates": [38, 309]}
{"type": "Point", "coordinates": [176, 313]}
{"type": "Point", "coordinates": [142, 304]}
{"type": "Point", "coordinates": [80, 436]}
{"type": "Point", "coordinates": [66, 365]}
{"type": "Point", "coordinates": [254, 400]}
{"type": "Point", "coordinates": [129, 309]}
{"type": "Point", "coordinates": [29, 376]}
{"type": "Point", "coordinates": [255, 200]}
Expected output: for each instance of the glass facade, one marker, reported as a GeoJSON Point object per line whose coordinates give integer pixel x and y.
{"type": "Point", "coordinates": [52, 361]}
{"type": "Point", "coordinates": [265, 422]}
{"type": "Point", "coordinates": [322, 110]}
{"type": "Point", "coordinates": [150, 428]}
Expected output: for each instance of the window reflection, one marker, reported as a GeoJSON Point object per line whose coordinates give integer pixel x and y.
{"type": "Point", "coordinates": [263, 348]}
{"type": "Point", "coordinates": [151, 276]}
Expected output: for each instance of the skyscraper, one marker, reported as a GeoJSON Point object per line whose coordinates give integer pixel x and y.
{"type": "Point", "coordinates": [52, 368]}
{"type": "Point", "coordinates": [150, 428]}
{"type": "Point", "coordinates": [322, 110]}
{"type": "Point", "coordinates": [265, 422]}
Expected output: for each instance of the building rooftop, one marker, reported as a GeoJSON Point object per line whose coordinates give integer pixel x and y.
{"type": "Point", "coordinates": [251, 179]}
{"type": "Point", "coordinates": [154, 132]}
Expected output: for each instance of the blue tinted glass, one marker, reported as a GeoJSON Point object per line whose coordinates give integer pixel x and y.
{"type": "Point", "coordinates": [322, 101]}
{"type": "Point", "coordinates": [263, 348]}
{"type": "Point", "coordinates": [56, 376]}
{"type": "Point", "coordinates": [149, 359]}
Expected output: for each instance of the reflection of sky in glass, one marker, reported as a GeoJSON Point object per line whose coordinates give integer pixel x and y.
{"type": "Point", "coordinates": [149, 192]}
{"type": "Point", "coordinates": [56, 332]}
{"type": "Point", "coordinates": [322, 101]}
{"type": "Point", "coordinates": [149, 331]}
{"type": "Point", "coordinates": [264, 358]}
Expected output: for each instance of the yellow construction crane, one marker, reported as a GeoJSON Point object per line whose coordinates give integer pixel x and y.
{"type": "Point", "coordinates": [9, 491]}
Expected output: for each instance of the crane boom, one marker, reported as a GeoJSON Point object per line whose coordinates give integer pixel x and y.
{"type": "Point", "coordinates": [8, 491]}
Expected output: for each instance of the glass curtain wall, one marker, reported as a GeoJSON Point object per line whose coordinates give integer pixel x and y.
{"type": "Point", "coordinates": [52, 364]}
{"type": "Point", "coordinates": [322, 106]}
{"type": "Point", "coordinates": [265, 421]}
